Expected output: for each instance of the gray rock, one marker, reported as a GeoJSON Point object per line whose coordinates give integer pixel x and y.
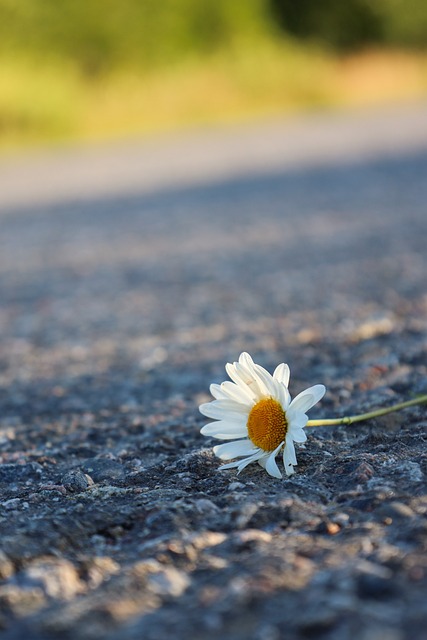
{"type": "Point", "coordinates": [76, 481]}
{"type": "Point", "coordinates": [57, 578]}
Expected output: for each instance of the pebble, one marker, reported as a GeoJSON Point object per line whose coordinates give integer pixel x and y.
{"type": "Point", "coordinates": [6, 566]}
{"type": "Point", "coordinates": [331, 528]}
{"type": "Point", "coordinates": [235, 486]}
{"type": "Point", "coordinates": [100, 569]}
{"type": "Point", "coordinates": [13, 503]}
{"type": "Point", "coordinates": [168, 582]}
{"type": "Point", "coordinates": [76, 481]}
{"type": "Point", "coordinates": [252, 536]}
{"type": "Point", "coordinates": [341, 519]}
{"type": "Point", "coordinates": [57, 577]}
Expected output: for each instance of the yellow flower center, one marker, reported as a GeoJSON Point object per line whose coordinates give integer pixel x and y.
{"type": "Point", "coordinates": [267, 424]}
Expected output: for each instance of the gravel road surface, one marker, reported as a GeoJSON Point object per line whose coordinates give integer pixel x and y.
{"type": "Point", "coordinates": [129, 275]}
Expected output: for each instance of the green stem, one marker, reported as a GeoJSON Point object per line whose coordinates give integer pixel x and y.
{"type": "Point", "coordinates": [329, 422]}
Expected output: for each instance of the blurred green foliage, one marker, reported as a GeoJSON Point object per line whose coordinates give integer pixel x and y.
{"type": "Point", "coordinates": [101, 35]}
{"type": "Point", "coordinates": [79, 69]}
{"type": "Point", "coordinates": [351, 24]}
{"type": "Point", "coordinates": [340, 25]}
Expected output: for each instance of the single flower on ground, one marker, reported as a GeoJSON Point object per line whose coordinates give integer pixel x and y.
{"type": "Point", "coordinates": [256, 412]}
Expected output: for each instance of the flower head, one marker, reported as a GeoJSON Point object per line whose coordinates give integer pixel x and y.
{"type": "Point", "coordinates": [256, 408]}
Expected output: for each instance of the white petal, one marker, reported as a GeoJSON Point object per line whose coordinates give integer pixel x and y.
{"type": "Point", "coordinates": [232, 373]}
{"type": "Point", "coordinates": [236, 449]}
{"type": "Point", "coordinates": [242, 373]}
{"type": "Point", "coordinates": [225, 430]}
{"type": "Point", "coordinates": [254, 458]}
{"type": "Point", "coordinates": [241, 464]}
{"type": "Point", "coordinates": [296, 419]}
{"type": "Point", "coordinates": [246, 360]}
{"type": "Point", "coordinates": [217, 392]}
{"type": "Point", "coordinates": [298, 435]}
{"type": "Point", "coordinates": [308, 398]}
{"type": "Point", "coordinates": [242, 380]}
{"type": "Point", "coordinates": [223, 410]}
{"type": "Point", "coordinates": [289, 470]}
{"type": "Point", "coordinates": [231, 404]}
{"type": "Point", "coordinates": [229, 465]}
{"type": "Point", "coordinates": [271, 466]}
{"type": "Point", "coordinates": [262, 370]}
{"type": "Point", "coordinates": [254, 379]}
{"type": "Point", "coordinates": [283, 396]}
{"type": "Point", "coordinates": [241, 394]}
{"type": "Point", "coordinates": [282, 374]}
{"type": "Point", "coordinates": [249, 379]}
{"type": "Point", "coordinates": [289, 451]}
{"type": "Point", "coordinates": [262, 461]}
{"type": "Point", "coordinates": [288, 465]}
{"type": "Point", "coordinates": [266, 380]}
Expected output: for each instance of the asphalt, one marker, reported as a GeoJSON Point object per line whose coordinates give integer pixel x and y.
{"type": "Point", "coordinates": [130, 273]}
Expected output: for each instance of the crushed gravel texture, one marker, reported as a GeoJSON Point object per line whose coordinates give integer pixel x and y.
{"type": "Point", "coordinates": [115, 316]}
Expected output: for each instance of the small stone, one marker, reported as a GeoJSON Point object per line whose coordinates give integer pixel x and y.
{"type": "Point", "coordinates": [252, 536]}
{"type": "Point", "coordinates": [75, 481]}
{"type": "Point", "coordinates": [100, 569]}
{"type": "Point", "coordinates": [235, 486]}
{"type": "Point", "coordinates": [342, 519]}
{"type": "Point", "coordinates": [13, 503]}
{"type": "Point", "coordinates": [57, 577]}
{"type": "Point", "coordinates": [6, 567]}
{"type": "Point", "coordinates": [168, 582]}
{"type": "Point", "coordinates": [331, 528]}
{"type": "Point", "coordinates": [363, 472]}
{"type": "Point", "coordinates": [207, 539]}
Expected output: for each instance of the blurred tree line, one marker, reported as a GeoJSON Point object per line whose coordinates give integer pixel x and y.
{"type": "Point", "coordinates": [100, 35]}
{"type": "Point", "coordinates": [351, 24]}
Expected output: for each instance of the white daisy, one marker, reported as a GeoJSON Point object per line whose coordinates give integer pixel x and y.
{"type": "Point", "coordinates": [257, 408]}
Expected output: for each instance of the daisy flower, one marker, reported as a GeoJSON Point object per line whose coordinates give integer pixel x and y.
{"type": "Point", "coordinates": [256, 408]}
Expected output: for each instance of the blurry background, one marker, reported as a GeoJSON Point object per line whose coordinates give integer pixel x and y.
{"type": "Point", "coordinates": [75, 70]}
